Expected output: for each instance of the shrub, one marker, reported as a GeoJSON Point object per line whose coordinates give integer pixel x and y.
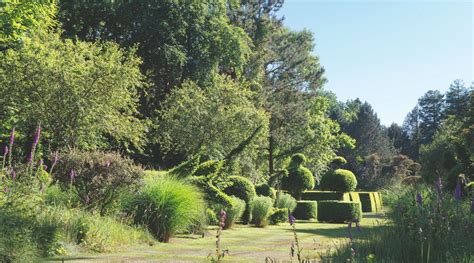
{"type": "Point", "coordinates": [208, 168]}
{"type": "Point", "coordinates": [186, 168]}
{"type": "Point", "coordinates": [260, 208]}
{"type": "Point", "coordinates": [338, 161]}
{"type": "Point", "coordinates": [234, 212]}
{"type": "Point", "coordinates": [368, 202]}
{"type": "Point", "coordinates": [279, 215]}
{"type": "Point", "coordinates": [211, 217]}
{"type": "Point", "coordinates": [285, 201]}
{"type": "Point", "coordinates": [325, 195]}
{"type": "Point", "coordinates": [242, 188]}
{"type": "Point", "coordinates": [167, 206]}
{"type": "Point", "coordinates": [354, 197]}
{"type": "Point", "coordinates": [299, 177]}
{"type": "Point", "coordinates": [306, 210]}
{"type": "Point", "coordinates": [411, 180]}
{"type": "Point", "coordinates": [265, 190]}
{"type": "Point", "coordinates": [339, 211]}
{"type": "Point", "coordinates": [212, 194]}
{"type": "Point", "coordinates": [339, 180]}
{"type": "Point", "coordinates": [98, 178]}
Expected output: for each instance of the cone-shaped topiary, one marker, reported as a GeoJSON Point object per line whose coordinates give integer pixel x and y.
{"type": "Point", "coordinates": [339, 180]}
{"type": "Point", "coordinates": [299, 177]}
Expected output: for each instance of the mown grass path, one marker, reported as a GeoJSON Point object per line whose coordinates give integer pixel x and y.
{"type": "Point", "coordinates": [245, 244]}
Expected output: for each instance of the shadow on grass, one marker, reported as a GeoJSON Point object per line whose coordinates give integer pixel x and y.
{"type": "Point", "coordinates": [64, 259]}
{"type": "Point", "coordinates": [341, 232]}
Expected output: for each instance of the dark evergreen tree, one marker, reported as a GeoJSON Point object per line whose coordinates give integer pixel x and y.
{"type": "Point", "coordinates": [431, 107]}
{"type": "Point", "coordinates": [457, 100]}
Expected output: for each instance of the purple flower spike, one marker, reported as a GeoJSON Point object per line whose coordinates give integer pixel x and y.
{"type": "Point", "coordinates": [13, 175]}
{"type": "Point", "coordinates": [291, 219]}
{"type": "Point", "coordinates": [35, 143]}
{"type": "Point", "coordinates": [12, 137]}
{"type": "Point", "coordinates": [457, 191]}
{"type": "Point", "coordinates": [5, 152]}
{"type": "Point", "coordinates": [72, 175]}
{"type": "Point", "coordinates": [419, 199]}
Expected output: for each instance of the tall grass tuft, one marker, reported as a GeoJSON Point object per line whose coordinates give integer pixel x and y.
{"type": "Point", "coordinates": [286, 201]}
{"type": "Point", "coordinates": [260, 208]}
{"type": "Point", "coordinates": [167, 206]}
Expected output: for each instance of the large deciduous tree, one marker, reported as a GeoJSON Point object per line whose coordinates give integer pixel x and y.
{"type": "Point", "coordinates": [83, 95]}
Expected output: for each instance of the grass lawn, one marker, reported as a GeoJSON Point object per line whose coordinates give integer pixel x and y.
{"type": "Point", "coordinates": [245, 244]}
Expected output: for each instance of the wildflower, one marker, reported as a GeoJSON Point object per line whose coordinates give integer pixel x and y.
{"type": "Point", "coordinates": [457, 191]}
{"type": "Point", "coordinates": [419, 199]}
{"type": "Point", "coordinates": [72, 175]}
{"type": "Point", "coordinates": [13, 175]}
{"type": "Point", "coordinates": [223, 216]}
{"type": "Point", "coordinates": [35, 143]}
{"type": "Point", "coordinates": [5, 152]}
{"type": "Point", "coordinates": [291, 219]}
{"type": "Point", "coordinates": [54, 162]}
{"type": "Point", "coordinates": [12, 137]}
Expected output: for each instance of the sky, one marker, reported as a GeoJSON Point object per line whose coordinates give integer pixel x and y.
{"type": "Point", "coordinates": [388, 53]}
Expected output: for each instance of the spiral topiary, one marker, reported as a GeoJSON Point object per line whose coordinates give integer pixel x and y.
{"type": "Point", "coordinates": [299, 177]}
{"type": "Point", "coordinates": [339, 180]}
{"type": "Point", "coordinates": [241, 188]}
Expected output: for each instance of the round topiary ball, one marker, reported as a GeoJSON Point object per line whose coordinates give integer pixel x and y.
{"type": "Point", "coordinates": [240, 187]}
{"type": "Point", "coordinates": [299, 177]}
{"type": "Point", "coordinates": [265, 190]}
{"type": "Point", "coordinates": [340, 180]}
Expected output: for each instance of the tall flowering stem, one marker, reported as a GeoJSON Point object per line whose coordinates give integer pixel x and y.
{"type": "Point", "coordinates": [220, 254]}
{"type": "Point", "coordinates": [35, 144]}
{"type": "Point", "coordinates": [457, 191]}
{"type": "Point", "coordinates": [10, 146]}
{"type": "Point", "coordinates": [295, 244]}
{"type": "Point", "coordinates": [419, 199]}
{"type": "Point", "coordinates": [55, 159]}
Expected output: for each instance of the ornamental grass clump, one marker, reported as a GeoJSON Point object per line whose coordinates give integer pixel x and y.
{"type": "Point", "coordinates": [285, 201]}
{"type": "Point", "coordinates": [260, 209]}
{"type": "Point", "coordinates": [167, 206]}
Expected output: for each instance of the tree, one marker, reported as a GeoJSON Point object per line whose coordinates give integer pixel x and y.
{"type": "Point", "coordinates": [21, 17]}
{"type": "Point", "coordinates": [84, 95]}
{"type": "Point", "coordinates": [191, 40]}
{"type": "Point", "coordinates": [411, 127]}
{"type": "Point", "coordinates": [431, 107]}
{"type": "Point", "coordinates": [210, 120]}
{"type": "Point", "coordinates": [457, 100]}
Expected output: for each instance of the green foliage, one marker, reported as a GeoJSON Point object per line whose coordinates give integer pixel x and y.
{"type": "Point", "coordinates": [339, 180]}
{"type": "Point", "coordinates": [99, 178]}
{"type": "Point", "coordinates": [339, 161]}
{"type": "Point", "coordinates": [212, 194]}
{"type": "Point", "coordinates": [211, 120]}
{"type": "Point", "coordinates": [368, 202]}
{"type": "Point", "coordinates": [412, 180]}
{"type": "Point", "coordinates": [355, 197]}
{"type": "Point", "coordinates": [265, 190]}
{"type": "Point", "coordinates": [438, 230]}
{"type": "Point", "coordinates": [299, 177]}
{"type": "Point", "coordinates": [260, 209]}
{"type": "Point", "coordinates": [339, 211]}
{"type": "Point", "coordinates": [285, 201]}
{"type": "Point", "coordinates": [85, 95]}
{"type": "Point", "coordinates": [240, 187]}
{"type": "Point", "coordinates": [306, 210]}
{"type": "Point", "coordinates": [167, 206]}
{"type": "Point", "coordinates": [234, 212]}
{"type": "Point", "coordinates": [279, 215]}
{"type": "Point", "coordinates": [325, 195]}
{"type": "Point", "coordinates": [209, 168]}
{"type": "Point", "coordinates": [186, 168]}
{"type": "Point", "coordinates": [211, 217]}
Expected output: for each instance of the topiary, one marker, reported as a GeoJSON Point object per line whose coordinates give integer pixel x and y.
{"type": "Point", "coordinates": [306, 210]}
{"type": "Point", "coordinates": [279, 215]}
{"type": "Point", "coordinates": [338, 161]}
{"type": "Point", "coordinates": [299, 177]}
{"type": "Point", "coordinates": [241, 188]}
{"type": "Point", "coordinates": [209, 168]}
{"type": "Point", "coordinates": [339, 211]}
{"type": "Point", "coordinates": [186, 168]}
{"type": "Point", "coordinates": [265, 190]}
{"type": "Point", "coordinates": [339, 180]}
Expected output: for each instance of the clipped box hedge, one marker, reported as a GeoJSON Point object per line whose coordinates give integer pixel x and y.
{"type": "Point", "coordinates": [325, 195]}
{"type": "Point", "coordinates": [339, 211]}
{"type": "Point", "coordinates": [306, 210]}
{"type": "Point", "coordinates": [354, 197]}
{"type": "Point", "coordinates": [368, 202]}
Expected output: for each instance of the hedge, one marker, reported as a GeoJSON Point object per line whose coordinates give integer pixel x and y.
{"type": "Point", "coordinates": [378, 204]}
{"type": "Point", "coordinates": [339, 180]}
{"type": "Point", "coordinates": [325, 195]}
{"type": "Point", "coordinates": [265, 190]}
{"type": "Point", "coordinates": [339, 211]}
{"type": "Point", "coordinates": [354, 197]}
{"type": "Point", "coordinates": [279, 215]}
{"type": "Point", "coordinates": [368, 202]}
{"type": "Point", "coordinates": [306, 210]}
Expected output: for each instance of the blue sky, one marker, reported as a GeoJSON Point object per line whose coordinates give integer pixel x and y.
{"type": "Point", "coordinates": [388, 53]}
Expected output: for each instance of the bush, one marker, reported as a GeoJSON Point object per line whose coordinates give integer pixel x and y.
{"type": "Point", "coordinates": [186, 168]}
{"type": "Point", "coordinates": [212, 194]}
{"type": "Point", "coordinates": [265, 190]}
{"type": "Point", "coordinates": [285, 201]}
{"type": "Point", "coordinates": [242, 188]}
{"type": "Point", "coordinates": [167, 206]}
{"type": "Point", "coordinates": [100, 178]}
{"type": "Point", "coordinates": [339, 180]}
{"type": "Point", "coordinates": [209, 168]}
{"type": "Point", "coordinates": [367, 201]}
{"type": "Point", "coordinates": [411, 180]}
{"type": "Point", "coordinates": [279, 215]}
{"type": "Point", "coordinates": [306, 210]}
{"type": "Point", "coordinates": [325, 195]}
{"type": "Point", "coordinates": [211, 217]}
{"type": "Point", "coordinates": [260, 208]}
{"type": "Point", "coordinates": [299, 177]}
{"type": "Point", "coordinates": [354, 197]}
{"type": "Point", "coordinates": [234, 212]}
{"type": "Point", "coordinates": [339, 211]}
